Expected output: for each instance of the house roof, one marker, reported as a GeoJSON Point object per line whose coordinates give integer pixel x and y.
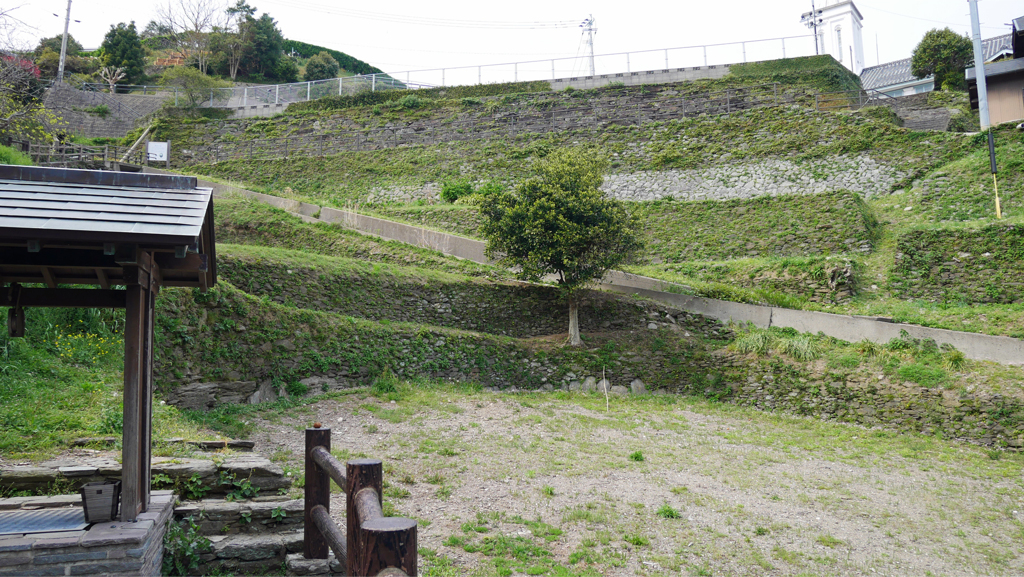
{"type": "Point", "coordinates": [58, 204]}
{"type": "Point", "coordinates": [898, 72]}
{"type": "Point", "coordinates": [997, 69]}
{"type": "Point", "coordinates": [62, 226]}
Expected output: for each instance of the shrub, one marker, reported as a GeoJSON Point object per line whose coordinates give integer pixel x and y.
{"type": "Point", "coordinates": [452, 190]}
{"type": "Point", "coordinates": [9, 155]}
{"type": "Point", "coordinates": [196, 86]}
{"type": "Point", "coordinates": [183, 548]}
{"type": "Point", "coordinates": [963, 122]}
{"type": "Point", "coordinates": [881, 114]}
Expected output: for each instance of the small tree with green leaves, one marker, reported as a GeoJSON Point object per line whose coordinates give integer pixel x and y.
{"type": "Point", "coordinates": [321, 67]}
{"type": "Point", "coordinates": [196, 86]}
{"type": "Point", "coordinates": [946, 55]}
{"type": "Point", "coordinates": [559, 223]}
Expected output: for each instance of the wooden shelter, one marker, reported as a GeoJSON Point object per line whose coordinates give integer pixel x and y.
{"type": "Point", "coordinates": [127, 234]}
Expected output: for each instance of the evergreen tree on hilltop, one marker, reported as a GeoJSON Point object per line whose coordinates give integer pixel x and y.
{"type": "Point", "coordinates": [122, 48]}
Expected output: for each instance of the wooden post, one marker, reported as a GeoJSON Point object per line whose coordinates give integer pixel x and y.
{"type": "Point", "coordinates": [387, 542]}
{"type": "Point", "coordinates": [317, 492]}
{"type": "Point", "coordinates": [146, 393]}
{"type": "Point", "coordinates": [131, 475]}
{"type": "Point", "coordinates": [361, 473]}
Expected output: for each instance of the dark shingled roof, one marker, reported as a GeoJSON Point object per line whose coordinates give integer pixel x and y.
{"type": "Point", "coordinates": [103, 206]}
{"type": "Point", "coordinates": [898, 72]}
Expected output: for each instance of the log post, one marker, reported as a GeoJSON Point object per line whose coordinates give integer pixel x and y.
{"type": "Point", "coordinates": [360, 473]}
{"type": "Point", "coordinates": [387, 542]}
{"type": "Point", "coordinates": [317, 492]}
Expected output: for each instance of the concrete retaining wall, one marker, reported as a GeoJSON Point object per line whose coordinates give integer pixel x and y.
{"type": "Point", "coordinates": [645, 77]}
{"type": "Point", "coordinates": [1005, 350]}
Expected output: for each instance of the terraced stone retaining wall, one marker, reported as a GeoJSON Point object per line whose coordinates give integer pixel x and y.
{"type": "Point", "coordinates": [864, 399]}
{"type": "Point", "coordinates": [516, 309]}
{"type": "Point", "coordinates": [230, 336]}
{"type": "Point", "coordinates": [961, 266]}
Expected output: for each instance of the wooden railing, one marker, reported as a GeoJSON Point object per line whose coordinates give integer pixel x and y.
{"type": "Point", "coordinates": [72, 155]}
{"type": "Point", "coordinates": [372, 545]}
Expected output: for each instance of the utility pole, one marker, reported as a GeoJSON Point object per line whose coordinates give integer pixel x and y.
{"type": "Point", "coordinates": [811, 20]}
{"type": "Point", "coordinates": [979, 67]}
{"type": "Point", "coordinates": [64, 45]}
{"type": "Point", "coordinates": [588, 27]}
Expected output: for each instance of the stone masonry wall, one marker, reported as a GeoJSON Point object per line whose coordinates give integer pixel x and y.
{"type": "Point", "coordinates": [517, 310]}
{"type": "Point", "coordinates": [771, 177]}
{"type": "Point", "coordinates": [864, 399]}
{"type": "Point", "coordinates": [112, 548]}
{"type": "Point", "coordinates": [960, 266]}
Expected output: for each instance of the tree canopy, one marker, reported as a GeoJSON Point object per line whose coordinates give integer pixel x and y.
{"type": "Point", "coordinates": [560, 223]}
{"type": "Point", "coordinates": [195, 86]}
{"type": "Point", "coordinates": [946, 55]}
{"type": "Point", "coordinates": [122, 48]}
{"type": "Point", "coordinates": [54, 44]}
{"type": "Point", "coordinates": [321, 67]}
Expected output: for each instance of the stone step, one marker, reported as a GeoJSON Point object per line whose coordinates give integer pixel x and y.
{"type": "Point", "coordinates": [249, 554]}
{"type": "Point", "coordinates": [297, 564]}
{"type": "Point", "coordinates": [259, 516]}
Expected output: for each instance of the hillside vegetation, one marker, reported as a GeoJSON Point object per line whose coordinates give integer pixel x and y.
{"type": "Point", "coordinates": [730, 199]}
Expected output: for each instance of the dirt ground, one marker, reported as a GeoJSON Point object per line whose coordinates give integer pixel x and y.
{"type": "Point", "coordinates": [556, 484]}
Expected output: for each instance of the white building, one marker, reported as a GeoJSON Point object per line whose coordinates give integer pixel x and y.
{"type": "Point", "coordinates": [840, 32]}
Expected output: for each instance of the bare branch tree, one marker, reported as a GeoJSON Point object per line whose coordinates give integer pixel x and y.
{"type": "Point", "coordinates": [112, 76]}
{"type": "Point", "coordinates": [193, 22]}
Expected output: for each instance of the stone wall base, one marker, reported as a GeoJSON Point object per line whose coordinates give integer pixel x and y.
{"type": "Point", "coordinates": [111, 548]}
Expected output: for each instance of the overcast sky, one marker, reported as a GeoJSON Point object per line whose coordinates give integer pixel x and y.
{"type": "Point", "coordinates": [403, 35]}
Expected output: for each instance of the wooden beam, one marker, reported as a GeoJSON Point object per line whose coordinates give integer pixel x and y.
{"type": "Point", "coordinates": [77, 298]}
{"type": "Point", "coordinates": [57, 258]}
{"type": "Point", "coordinates": [101, 275]}
{"type": "Point", "coordinates": [191, 262]}
{"type": "Point", "coordinates": [48, 277]}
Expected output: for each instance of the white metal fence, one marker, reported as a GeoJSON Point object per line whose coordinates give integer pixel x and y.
{"type": "Point", "coordinates": [659, 59]}
{"type": "Point", "coordinates": [549, 69]}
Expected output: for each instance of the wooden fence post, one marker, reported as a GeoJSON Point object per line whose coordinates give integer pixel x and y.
{"type": "Point", "coordinates": [387, 542]}
{"type": "Point", "coordinates": [361, 473]}
{"type": "Point", "coordinates": [317, 492]}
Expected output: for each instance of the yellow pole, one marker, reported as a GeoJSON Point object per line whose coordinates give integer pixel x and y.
{"type": "Point", "coordinates": [995, 185]}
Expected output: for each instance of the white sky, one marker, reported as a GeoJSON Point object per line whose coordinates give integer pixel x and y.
{"type": "Point", "coordinates": [398, 35]}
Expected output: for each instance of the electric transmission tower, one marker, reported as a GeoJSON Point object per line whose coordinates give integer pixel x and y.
{"type": "Point", "coordinates": [588, 28]}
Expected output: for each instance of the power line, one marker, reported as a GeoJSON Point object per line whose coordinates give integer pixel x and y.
{"type": "Point", "coordinates": [426, 20]}
{"type": "Point", "coordinates": [924, 19]}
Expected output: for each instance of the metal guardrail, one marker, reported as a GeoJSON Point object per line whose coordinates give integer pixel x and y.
{"type": "Point", "coordinates": [851, 100]}
{"type": "Point", "coordinates": [372, 545]}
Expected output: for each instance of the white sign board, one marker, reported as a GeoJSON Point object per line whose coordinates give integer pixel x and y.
{"type": "Point", "coordinates": [158, 151]}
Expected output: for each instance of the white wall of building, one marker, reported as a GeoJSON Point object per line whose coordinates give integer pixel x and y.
{"type": "Point", "coordinates": [840, 33]}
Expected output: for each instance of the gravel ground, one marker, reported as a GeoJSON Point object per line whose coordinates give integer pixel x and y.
{"type": "Point", "coordinates": [552, 484]}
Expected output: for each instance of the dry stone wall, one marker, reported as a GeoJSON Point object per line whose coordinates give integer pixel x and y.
{"type": "Point", "coordinates": [961, 265]}
{"type": "Point", "coordinates": [515, 309]}
{"type": "Point", "coordinates": [772, 177]}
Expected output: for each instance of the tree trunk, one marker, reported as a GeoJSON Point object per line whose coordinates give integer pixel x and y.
{"type": "Point", "coordinates": [574, 324]}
